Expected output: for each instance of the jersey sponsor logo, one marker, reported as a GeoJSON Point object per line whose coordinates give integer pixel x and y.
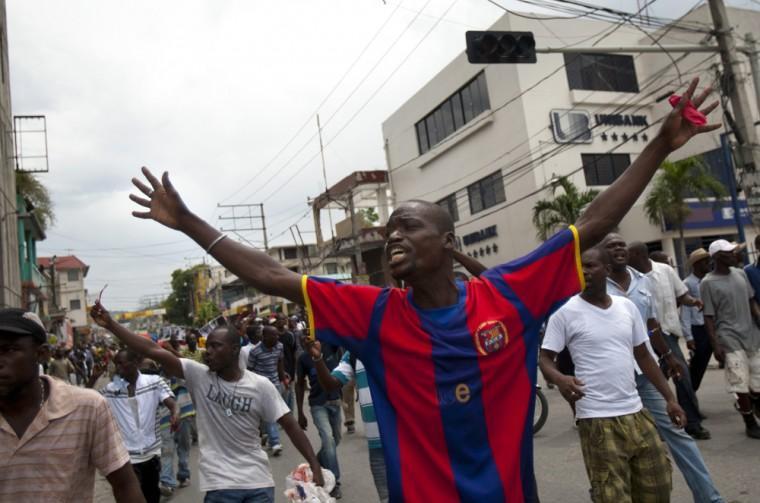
{"type": "Point", "coordinates": [490, 337]}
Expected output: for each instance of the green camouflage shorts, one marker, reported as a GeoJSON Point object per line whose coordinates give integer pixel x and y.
{"type": "Point", "coordinates": [625, 459]}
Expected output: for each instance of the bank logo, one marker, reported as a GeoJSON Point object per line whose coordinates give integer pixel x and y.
{"type": "Point", "coordinates": [490, 337]}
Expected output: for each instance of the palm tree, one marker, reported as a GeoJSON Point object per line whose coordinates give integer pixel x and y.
{"type": "Point", "coordinates": [677, 181]}
{"type": "Point", "coordinates": [32, 189]}
{"type": "Point", "coordinates": [549, 215]}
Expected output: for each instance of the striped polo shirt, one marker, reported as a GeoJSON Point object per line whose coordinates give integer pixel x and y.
{"type": "Point", "coordinates": [344, 373]}
{"type": "Point", "coordinates": [138, 416]}
{"type": "Point", "coordinates": [55, 459]}
{"type": "Point", "coordinates": [263, 361]}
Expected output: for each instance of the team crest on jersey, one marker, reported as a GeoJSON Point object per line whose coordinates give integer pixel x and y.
{"type": "Point", "coordinates": [490, 337]}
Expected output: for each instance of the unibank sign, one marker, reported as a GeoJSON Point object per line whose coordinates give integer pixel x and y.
{"type": "Point", "coordinates": [621, 120]}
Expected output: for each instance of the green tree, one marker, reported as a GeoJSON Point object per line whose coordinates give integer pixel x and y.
{"type": "Point", "coordinates": [369, 215]}
{"type": "Point", "coordinates": [675, 182]}
{"type": "Point", "coordinates": [206, 312]}
{"type": "Point", "coordinates": [29, 187]}
{"type": "Point", "coordinates": [549, 215]}
{"type": "Point", "coordinates": [179, 303]}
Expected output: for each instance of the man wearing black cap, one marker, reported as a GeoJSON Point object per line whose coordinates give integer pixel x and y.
{"type": "Point", "coordinates": [53, 435]}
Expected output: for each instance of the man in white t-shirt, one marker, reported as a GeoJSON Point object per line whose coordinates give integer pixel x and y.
{"type": "Point", "coordinates": [230, 404]}
{"type": "Point", "coordinates": [624, 456]}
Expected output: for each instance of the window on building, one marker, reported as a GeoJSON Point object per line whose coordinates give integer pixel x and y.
{"type": "Point", "coordinates": [331, 268]}
{"type": "Point", "coordinates": [449, 203]}
{"type": "Point", "coordinates": [73, 275]}
{"type": "Point", "coordinates": [289, 253]}
{"type": "Point", "coordinates": [486, 192]}
{"type": "Point", "coordinates": [601, 72]}
{"type": "Point", "coordinates": [603, 169]}
{"type": "Point", "coordinates": [75, 304]}
{"type": "Point", "coordinates": [458, 109]}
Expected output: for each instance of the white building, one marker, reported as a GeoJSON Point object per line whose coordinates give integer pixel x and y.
{"type": "Point", "coordinates": [70, 293]}
{"type": "Point", "coordinates": [486, 141]}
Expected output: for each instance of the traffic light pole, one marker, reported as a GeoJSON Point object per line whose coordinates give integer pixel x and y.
{"type": "Point", "coordinates": [734, 87]}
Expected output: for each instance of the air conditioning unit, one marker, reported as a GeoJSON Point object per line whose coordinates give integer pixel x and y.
{"type": "Point", "coordinates": [571, 126]}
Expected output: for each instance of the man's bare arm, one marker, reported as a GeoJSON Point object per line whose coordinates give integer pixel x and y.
{"type": "Point", "coordinates": [254, 267]}
{"type": "Point", "coordinates": [608, 208]}
{"type": "Point", "coordinates": [146, 347]}
{"type": "Point", "coordinates": [654, 374]}
{"type": "Point", "coordinates": [124, 484]}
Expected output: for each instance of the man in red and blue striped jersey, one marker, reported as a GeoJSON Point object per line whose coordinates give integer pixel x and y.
{"type": "Point", "coordinates": [451, 365]}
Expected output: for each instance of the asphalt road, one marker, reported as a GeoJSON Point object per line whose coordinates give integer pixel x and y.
{"type": "Point", "coordinates": [732, 457]}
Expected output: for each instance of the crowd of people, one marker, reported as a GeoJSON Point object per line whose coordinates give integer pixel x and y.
{"type": "Point", "coordinates": [445, 368]}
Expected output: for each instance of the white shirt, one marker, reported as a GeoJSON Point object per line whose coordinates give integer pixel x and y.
{"type": "Point", "coordinates": [229, 416]}
{"type": "Point", "coordinates": [138, 416]}
{"type": "Point", "coordinates": [666, 288]}
{"type": "Point", "coordinates": [601, 343]}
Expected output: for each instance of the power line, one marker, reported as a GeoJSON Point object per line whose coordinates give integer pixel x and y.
{"type": "Point", "coordinates": [372, 96]}
{"type": "Point", "coordinates": [321, 104]}
{"type": "Point", "coordinates": [342, 104]}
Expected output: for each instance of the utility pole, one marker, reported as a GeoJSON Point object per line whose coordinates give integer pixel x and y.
{"type": "Point", "coordinates": [754, 62]}
{"type": "Point", "coordinates": [252, 219]}
{"type": "Point", "coordinates": [734, 87]}
{"type": "Point", "coordinates": [357, 259]}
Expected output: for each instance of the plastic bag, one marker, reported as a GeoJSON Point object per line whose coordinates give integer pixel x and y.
{"type": "Point", "coordinates": [300, 488]}
{"type": "Point", "coordinates": [690, 112]}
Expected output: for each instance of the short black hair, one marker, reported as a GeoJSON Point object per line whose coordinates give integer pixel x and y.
{"type": "Point", "coordinates": [602, 254]}
{"type": "Point", "coordinates": [230, 332]}
{"type": "Point", "coordinates": [131, 355]}
{"type": "Point", "coordinates": [439, 216]}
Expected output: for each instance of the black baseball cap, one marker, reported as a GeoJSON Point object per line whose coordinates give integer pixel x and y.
{"type": "Point", "coordinates": [20, 322]}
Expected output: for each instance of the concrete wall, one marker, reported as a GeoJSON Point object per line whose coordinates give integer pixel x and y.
{"type": "Point", "coordinates": [10, 277]}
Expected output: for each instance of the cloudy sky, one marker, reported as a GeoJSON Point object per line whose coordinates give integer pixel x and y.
{"type": "Point", "coordinates": [222, 95]}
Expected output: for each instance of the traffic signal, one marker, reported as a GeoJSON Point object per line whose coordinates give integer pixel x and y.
{"type": "Point", "coordinates": [501, 47]}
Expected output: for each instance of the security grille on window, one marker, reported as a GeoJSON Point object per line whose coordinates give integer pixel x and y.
{"type": "Point", "coordinates": [75, 304]}
{"type": "Point", "coordinates": [571, 126]}
{"type": "Point", "coordinates": [458, 109]}
{"type": "Point", "coordinates": [290, 253]}
{"type": "Point", "coordinates": [601, 72]}
{"type": "Point", "coordinates": [603, 169]}
{"type": "Point", "coordinates": [486, 192]}
{"type": "Point", "coordinates": [73, 275]}
{"type": "Point", "coordinates": [449, 203]}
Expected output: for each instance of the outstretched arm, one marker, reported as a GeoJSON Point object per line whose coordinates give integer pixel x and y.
{"type": "Point", "coordinates": [608, 208]}
{"type": "Point", "coordinates": [171, 364]}
{"type": "Point", "coordinates": [256, 268]}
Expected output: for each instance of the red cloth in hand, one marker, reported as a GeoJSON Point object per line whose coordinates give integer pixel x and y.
{"type": "Point", "coordinates": [689, 112]}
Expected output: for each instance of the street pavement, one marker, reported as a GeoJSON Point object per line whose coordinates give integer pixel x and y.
{"type": "Point", "coordinates": [730, 455]}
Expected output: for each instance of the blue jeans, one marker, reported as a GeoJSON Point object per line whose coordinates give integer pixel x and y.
{"type": "Point", "coordinates": [289, 397]}
{"type": "Point", "coordinates": [265, 495]}
{"type": "Point", "coordinates": [327, 420]}
{"type": "Point", "coordinates": [377, 467]}
{"type": "Point", "coordinates": [687, 398]}
{"type": "Point", "coordinates": [683, 448]}
{"type": "Point", "coordinates": [273, 431]}
{"type": "Point", "coordinates": [178, 442]}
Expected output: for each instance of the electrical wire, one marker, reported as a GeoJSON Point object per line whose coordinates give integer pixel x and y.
{"type": "Point", "coordinates": [322, 103]}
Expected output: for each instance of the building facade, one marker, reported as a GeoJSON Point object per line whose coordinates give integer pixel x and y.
{"type": "Point", "coordinates": [488, 141]}
{"type": "Point", "coordinates": [10, 274]}
{"type": "Point", "coordinates": [67, 278]}
{"type": "Point", "coordinates": [34, 283]}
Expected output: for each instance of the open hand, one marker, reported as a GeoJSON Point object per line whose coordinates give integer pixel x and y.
{"type": "Point", "coordinates": [676, 130]}
{"type": "Point", "coordinates": [164, 203]}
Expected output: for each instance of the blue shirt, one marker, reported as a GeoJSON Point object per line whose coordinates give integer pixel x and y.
{"type": "Point", "coordinates": [753, 273]}
{"type": "Point", "coordinates": [639, 292]}
{"type": "Point", "coordinates": [691, 315]}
